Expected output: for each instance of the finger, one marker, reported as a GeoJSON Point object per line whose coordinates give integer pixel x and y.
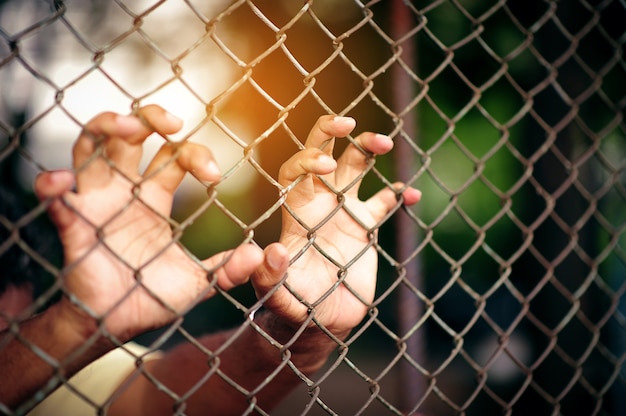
{"type": "Point", "coordinates": [326, 129]}
{"type": "Point", "coordinates": [169, 165]}
{"type": "Point", "coordinates": [273, 269]}
{"type": "Point", "coordinates": [316, 158]}
{"type": "Point", "coordinates": [52, 186]}
{"type": "Point", "coordinates": [356, 158]}
{"type": "Point", "coordinates": [234, 267]}
{"type": "Point", "coordinates": [91, 169]}
{"type": "Point", "coordinates": [386, 199]}
{"type": "Point", "coordinates": [120, 139]}
{"type": "Point", "coordinates": [305, 162]}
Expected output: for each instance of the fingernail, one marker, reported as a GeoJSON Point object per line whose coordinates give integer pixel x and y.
{"type": "Point", "coordinates": [273, 260]}
{"type": "Point", "coordinates": [213, 169]}
{"type": "Point", "coordinates": [127, 124]}
{"type": "Point", "coordinates": [272, 264]}
{"type": "Point", "coordinates": [345, 120]}
{"type": "Point", "coordinates": [383, 137]}
{"type": "Point", "coordinates": [325, 159]}
{"type": "Point", "coordinates": [58, 176]}
{"type": "Point", "coordinates": [172, 118]}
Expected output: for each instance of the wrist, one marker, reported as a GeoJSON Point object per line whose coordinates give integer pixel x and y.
{"type": "Point", "coordinates": [51, 342]}
{"type": "Point", "coordinates": [309, 346]}
{"type": "Point", "coordinates": [74, 325]}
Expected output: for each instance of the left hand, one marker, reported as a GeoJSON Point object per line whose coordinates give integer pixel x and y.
{"type": "Point", "coordinates": [122, 264]}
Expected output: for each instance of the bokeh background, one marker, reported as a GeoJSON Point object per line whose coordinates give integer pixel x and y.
{"type": "Point", "coordinates": [502, 292]}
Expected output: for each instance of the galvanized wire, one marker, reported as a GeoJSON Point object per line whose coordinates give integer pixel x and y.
{"type": "Point", "coordinates": [503, 292]}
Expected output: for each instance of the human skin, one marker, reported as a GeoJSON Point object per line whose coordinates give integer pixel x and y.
{"type": "Point", "coordinates": [120, 258]}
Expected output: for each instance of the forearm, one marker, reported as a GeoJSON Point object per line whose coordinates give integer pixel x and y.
{"type": "Point", "coordinates": [249, 361]}
{"type": "Point", "coordinates": [42, 347]}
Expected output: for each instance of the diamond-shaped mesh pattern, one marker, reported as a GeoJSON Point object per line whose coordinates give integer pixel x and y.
{"type": "Point", "coordinates": [502, 292]}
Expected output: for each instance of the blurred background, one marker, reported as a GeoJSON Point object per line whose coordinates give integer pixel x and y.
{"type": "Point", "coordinates": [502, 292]}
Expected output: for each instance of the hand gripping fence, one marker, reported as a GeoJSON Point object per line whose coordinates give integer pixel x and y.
{"type": "Point", "coordinates": [501, 292]}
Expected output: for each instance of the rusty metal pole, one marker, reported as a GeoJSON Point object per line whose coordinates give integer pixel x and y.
{"type": "Point", "coordinates": [409, 309]}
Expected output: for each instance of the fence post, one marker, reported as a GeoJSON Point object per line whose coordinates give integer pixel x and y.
{"type": "Point", "coordinates": [408, 307]}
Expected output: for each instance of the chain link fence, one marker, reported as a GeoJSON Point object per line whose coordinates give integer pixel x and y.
{"type": "Point", "coordinates": [501, 292]}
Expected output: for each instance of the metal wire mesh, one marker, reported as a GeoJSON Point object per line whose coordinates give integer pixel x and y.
{"type": "Point", "coordinates": [501, 293]}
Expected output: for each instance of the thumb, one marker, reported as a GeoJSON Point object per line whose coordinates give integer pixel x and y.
{"type": "Point", "coordinates": [233, 267]}
{"type": "Point", "coordinates": [50, 187]}
{"type": "Point", "coordinates": [273, 269]}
